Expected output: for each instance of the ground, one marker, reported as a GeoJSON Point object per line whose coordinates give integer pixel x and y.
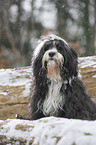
{"type": "Point", "coordinates": [48, 131]}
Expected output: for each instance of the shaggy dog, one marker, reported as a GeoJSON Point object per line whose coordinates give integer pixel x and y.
{"type": "Point", "coordinates": [57, 91]}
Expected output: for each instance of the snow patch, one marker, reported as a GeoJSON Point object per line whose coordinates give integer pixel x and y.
{"type": "Point", "coordinates": [89, 61]}
{"type": "Point", "coordinates": [3, 93]}
{"type": "Point", "coordinates": [26, 92]}
{"type": "Point", "coordinates": [94, 76]}
{"type": "Point", "coordinates": [16, 77]}
{"type": "Point", "coordinates": [13, 77]}
{"type": "Point", "coordinates": [51, 130]}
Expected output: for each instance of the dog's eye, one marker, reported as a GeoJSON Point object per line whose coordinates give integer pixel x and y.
{"type": "Point", "coordinates": [47, 45]}
{"type": "Point", "coordinates": [57, 42]}
{"type": "Point", "coordinates": [58, 45]}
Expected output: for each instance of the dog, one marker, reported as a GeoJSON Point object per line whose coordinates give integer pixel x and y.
{"type": "Point", "coordinates": [57, 90]}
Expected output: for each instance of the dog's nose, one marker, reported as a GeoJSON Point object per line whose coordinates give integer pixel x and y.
{"type": "Point", "coordinates": [51, 54]}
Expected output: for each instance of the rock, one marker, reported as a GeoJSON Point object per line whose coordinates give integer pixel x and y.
{"type": "Point", "coordinates": [15, 85]}
{"type": "Point", "coordinates": [48, 131]}
{"type": "Point", "coordinates": [87, 66]}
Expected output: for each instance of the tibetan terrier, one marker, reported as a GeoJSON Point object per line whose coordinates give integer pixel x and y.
{"type": "Point", "coordinates": [57, 91]}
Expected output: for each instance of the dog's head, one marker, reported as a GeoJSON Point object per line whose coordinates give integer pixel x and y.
{"type": "Point", "coordinates": [55, 59]}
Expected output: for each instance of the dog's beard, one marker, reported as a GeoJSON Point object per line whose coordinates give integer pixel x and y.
{"type": "Point", "coordinates": [53, 69]}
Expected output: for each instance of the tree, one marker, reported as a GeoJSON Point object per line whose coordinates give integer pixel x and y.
{"type": "Point", "coordinates": [89, 29]}
{"type": "Point", "coordinates": [19, 29]}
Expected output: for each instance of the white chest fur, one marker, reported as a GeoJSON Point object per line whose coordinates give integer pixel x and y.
{"type": "Point", "coordinates": [54, 99]}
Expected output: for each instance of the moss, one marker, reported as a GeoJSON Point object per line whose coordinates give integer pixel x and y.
{"type": "Point", "coordinates": [31, 141]}
{"type": "Point", "coordinates": [4, 140]}
{"type": "Point", "coordinates": [57, 138]}
{"type": "Point", "coordinates": [87, 134]}
{"type": "Point", "coordinates": [21, 140]}
{"type": "Point", "coordinates": [23, 127]}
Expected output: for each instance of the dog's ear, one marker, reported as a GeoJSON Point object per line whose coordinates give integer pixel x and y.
{"type": "Point", "coordinates": [39, 73]}
{"type": "Point", "coordinates": [74, 62]}
{"type": "Point", "coordinates": [70, 66]}
{"type": "Point", "coordinates": [37, 65]}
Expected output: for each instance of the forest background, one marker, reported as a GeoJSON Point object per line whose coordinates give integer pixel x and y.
{"type": "Point", "coordinates": [22, 22]}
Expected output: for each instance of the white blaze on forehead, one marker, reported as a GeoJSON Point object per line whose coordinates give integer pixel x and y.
{"type": "Point", "coordinates": [38, 48]}
{"type": "Point", "coordinates": [53, 37]}
{"type": "Point", "coordinates": [45, 39]}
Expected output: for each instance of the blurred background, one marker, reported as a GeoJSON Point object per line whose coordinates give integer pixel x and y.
{"type": "Point", "coordinates": [22, 22]}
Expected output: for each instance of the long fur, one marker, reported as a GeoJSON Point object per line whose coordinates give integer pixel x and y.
{"type": "Point", "coordinates": [57, 91]}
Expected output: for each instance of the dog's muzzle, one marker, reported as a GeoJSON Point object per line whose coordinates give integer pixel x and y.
{"type": "Point", "coordinates": [52, 61]}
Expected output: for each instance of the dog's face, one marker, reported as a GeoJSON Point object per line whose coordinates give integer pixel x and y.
{"type": "Point", "coordinates": [52, 61]}
{"type": "Point", "coordinates": [55, 57]}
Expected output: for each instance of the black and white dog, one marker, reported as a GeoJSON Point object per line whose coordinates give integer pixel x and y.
{"type": "Point", "coordinates": [57, 91]}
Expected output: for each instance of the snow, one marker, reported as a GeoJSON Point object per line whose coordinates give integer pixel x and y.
{"type": "Point", "coordinates": [52, 131]}
{"type": "Point", "coordinates": [89, 61]}
{"type": "Point", "coordinates": [94, 76]}
{"type": "Point", "coordinates": [16, 77]}
{"type": "Point", "coordinates": [13, 77]}
{"type": "Point", "coordinates": [26, 92]}
{"type": "Point", "coordinates": [3, 93]}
